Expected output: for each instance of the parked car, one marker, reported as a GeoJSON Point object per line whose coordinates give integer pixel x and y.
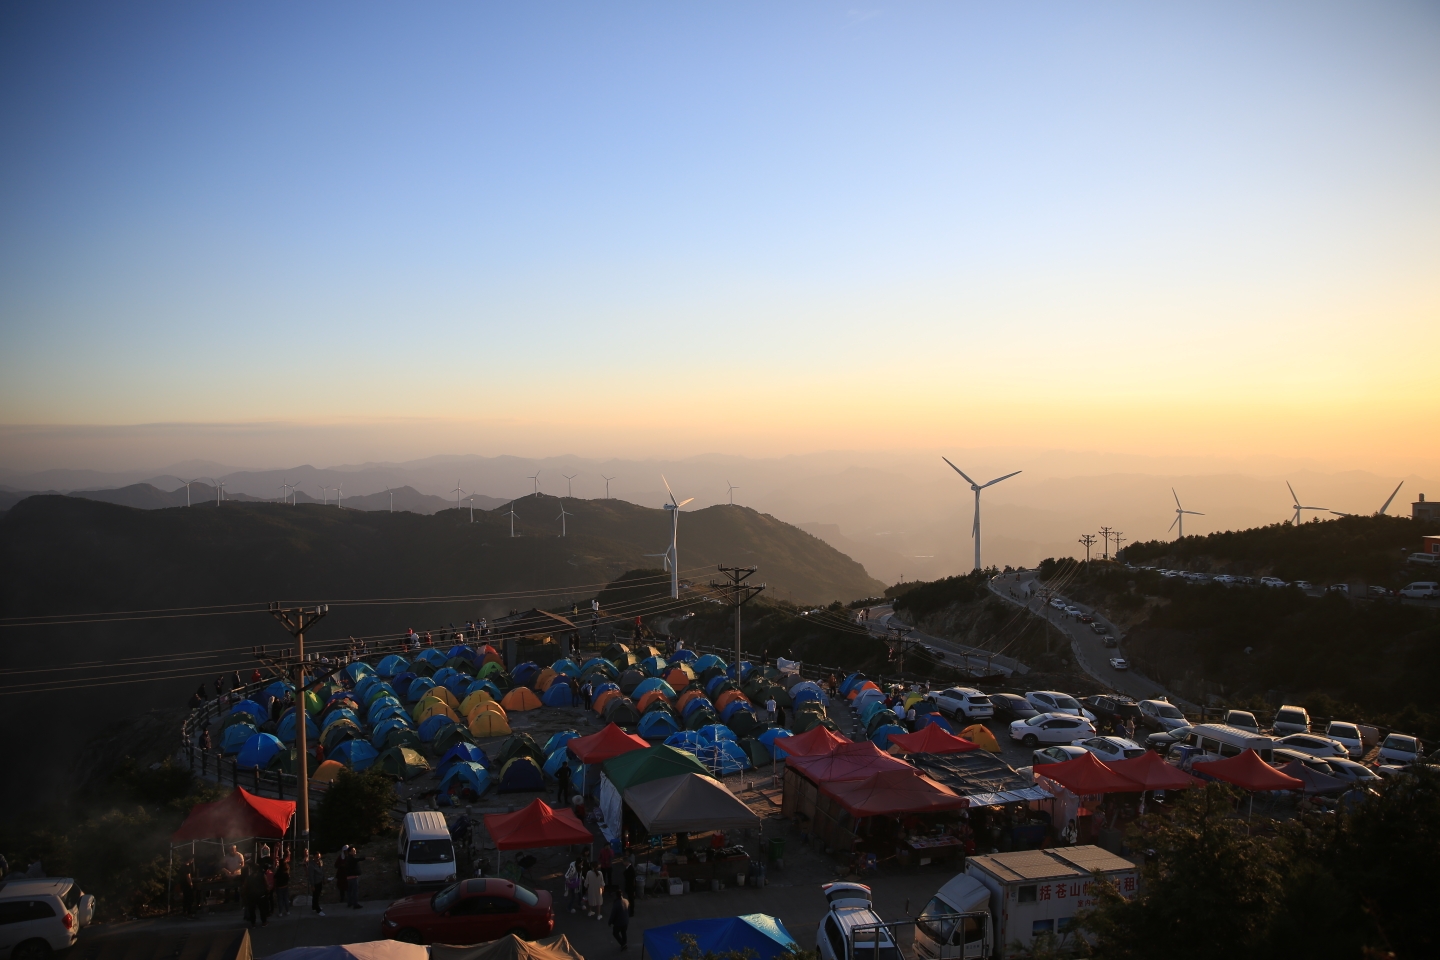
{"type": "Point", "coordinates": [1378, 592]}
{"type": "Point", "coordinates": [964, 702]}
{"type": "Point", "coordinates": [1421, 590]}
{"type": "Point", "coordinates": [1304, 585]}
{"type": "Point", "coordinates": [1273, 582]}
{"type": "Point", "coordinates": [426, 853]}
{"type": "Point", "coordinates": [1058, 603]}
{"type": "Point", "coordinates": [1283, 755]}
{"type": "Point", "coordinates": [1225, 578]}
{"type": "Point", "coordinates": [1290, 719]}
{"type": "Point", "coordinates": [471, 911]}
{"type": "Point", "coordinates": [1119, 663]}
{"type": "Point", "coordinates": [1315, 745]}
{"type": "Point", "coordinates": [1348, 734]}
{"type": "Point", "coordinates": [1161, 715]}
{"type": "Point", "coordinates": [1109, 641]}
{"type": "Point", "coordinates": [1356, 773]}
{"type": "Point", "coordinates": [1243, 719]}
{"type": "Point", "coordinates": [1050, 728]}
{"type": "Point", "coordinates": [1341, 588]}
{"type": "Point", "coordinates": [41, 915]}
{"type": "Point", "coordinates": [1050, 701]}
{"type": "Point", "coordinates": [1111, 748]}
{"type": "Point", "coordinates": [1072, 611]}
{"type": "Point", "coordinates": [1246, 581]}
{"type": "Point", "coordinates": [1163, 740]}
{"type": "Point", "coordinates": [1086, 618]}
{"type": "Point", "coordinates": [1098, 627]}
{"type": "Point", "coordinates": [1056, 754]}
{"type": "Point", "coordinates": [851, 906]}
{"type": "Point", "coordinates": [1398, 748]}
{"type": "Point", "coordinates": [1012, 706]}
{"type": "Point", "coordinates": [1111, 709]}
{"type": "Point", "coordinates": [1218, 741]}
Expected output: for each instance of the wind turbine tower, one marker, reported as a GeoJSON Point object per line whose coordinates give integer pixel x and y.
{"type": "Point", "coordinates": [340, 496]}
{"type": "Point", "coordinates": [674, 558]}
{"type": "Point", "coordinates": [563, 514]}
{"type": "Point", "coordinates": [1180, 515]}
{"type": "Point", "coordinates": [458, 493]}
{"type": "Point", "coordinates": [1298, 507]}
{"type": "Point", "coordinates": [536, 481]}
{"type": "Point", "coordinates": [392, 499]}
{"type": "Point", "coordinates": [977, 487]}
{"type": "Point", "coordinates": [607, 485]}
{"type": "Point", "coordinates": [730, 489]}
{"type": "Point", "coordinates": [569, 490]}
{"type": "Point", "coordinates": [511, 515]}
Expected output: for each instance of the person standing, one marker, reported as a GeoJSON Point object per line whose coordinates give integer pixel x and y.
{"type": "Point", "coordinates": [630, 884]}
{"type": "Point", "coordinates": [562, 785]}
{"type": "Point", "coordinates": [352, 879]}
{"type": "Point", "coordinates": [617, 876]}
{"type": "Point", "coordinates": [620, 921]}
{"type": "Point", "coordinates": [594, 891]}
{"type": "Point", "coordinates": [585, 692]}
{"type": "Point", "coordinates": [187, 888]}
{"type": "Point", "coordinates": [573, 878]}
{"type": "Point", "coordinates": [315, 876]}
{"type": "Point", "coordinates": [770, 709]}
{"type": "Point", "coordinates": [282, 884]}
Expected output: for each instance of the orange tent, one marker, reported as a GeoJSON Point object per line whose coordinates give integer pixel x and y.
{"type": "Point", "coordinates": [980, 735]}
{"type": "Point", "coordinates": [679, 676]}
{"type": "Point", "coordinates": [521, 698]}
{"type": "Point", "coordinates": [867, 685]}
{"type": "Point", "coordinates": [432, 708]}
{"type": "Point", "coordinates": [543, 681]}
{"type": "Point", "coordinates": [649, 698]}
{"type": "Point", "coordinates": [685, 697]}
{"type": "Point", "coordinates": [598, 704]}
{"type": "Point", "coordinates": [488, 655]}
{"type": "Point", "coordinates": [486, 706]}
{"type": "Point", "coordinates": [327, 771]}
{"type": "Point", "coordinates": [468, 705]}
{"type": "Point", "coordinates": [729, 697]}
{"type": "Point", "coordinates": [488, 724]}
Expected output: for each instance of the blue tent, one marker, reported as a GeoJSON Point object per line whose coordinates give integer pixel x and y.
{"type": "Point", "coordinates": [461, 753]}
{"type": "Point", "coordinates": [285, 729]}
{"type": "Point", "coordinates": [259, 751]}
{"type": "Point", "coordinates": [596, 662]}
{"type": "Point", "coordinates": [745, 667]}
{"type": "Point", "coordinates": [850, 681]}
{"type": "Point", "coordinates": [558, 759]}
{"type": "Point", "coordinates": [881, 736]}
{"type": "Point", "coordinates": [433, 657]}
{"type": "Point", "coordinates": [757, 932]}
{"type": "Point", "coordinates": [716, 732]}
{"type": "Point", "coordinates": [392, 665]}
{"type": "Point", "coordinates": [381, 689]}
{"type": "Point", "coordinates": [521, 774]}
{"type": "Point", "coordinates": [235, 736]}
{"type": "Point", "coordinates": [713, 685]}
{"type": "Point", "coordinates": [699, 703]}
{"type": "Point", "coordinates": [706, 662]}
{"type": "Point", "coordinates": [458, 684]}
{"type": "Point", "coordinates": [383, 728]}
{"type": "Point", "coordinates": [280, 688]}
{"type": "Point", "coordinates": [928, 719]}
{"type": "Point", "coordinates": [259, 713]}
{"type": "Point", "coordinates": [460, 650]}
{"type": "Point", "coordinates": [809, 690]}
{"type": "Point", "coordinates": [418, 688]}
{"type": "Point", "coordinates": [653, 683]}
{"type": "Point", "coordinates": [732, 708]}
{"type": "Point", "coordinates": [385, 709]}
{"type": "Point", "coordinates": [687, 740]}
{"type": "Point", "coordinates": [338, 714]}
{"type": "Point", "coordinates": [559, 740]}
{"type": "Point", "coordinates": [485, 685]}
{"type": "Point", "coordinates": [566, 666]}
{"type": "Point", "coordinates": [403, 679]}
{"type": "Point", "coordinates": [683, 656]}
{"type": "Point", "coordinates": [870, 709]}
{"type": "Point", "coordinates": [465, 777]}
{"type": "Point", "coordinates": [657, 725]}
{"type": "Point", "coordinates": [654, 666]}
{"type": "Point", "coordinates": [559, 694]}
{"type": "Point", "coordinates": [357, 670]}
{"type": "Point", "coordinates": [724, 757]}
{"type": "Point", "coordinates": [355, 754]}
{"type": "Point", "coordinates": [431, 728]}
{"type": "Point", "coordinates": [769, 737]}
{"type": "Point", "coordinates": [444, 674]}
{"type": "Point", "coordinates": [524, 674]}
{"type": "Point", "coordinates": [601, 688]}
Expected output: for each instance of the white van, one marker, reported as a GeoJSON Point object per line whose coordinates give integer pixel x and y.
{"type": "Point", "coordinates": [1421, 589]}
{"type": "Point", "coordinates": [1219, 741]}
{"type": "Point", "coordinates": [427, 853]}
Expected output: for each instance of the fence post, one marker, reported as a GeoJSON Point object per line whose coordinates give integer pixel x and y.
{"type": "Point", "coordinates": [257, 780]}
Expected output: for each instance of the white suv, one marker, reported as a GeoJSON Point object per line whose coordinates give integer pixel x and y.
{"type": "Point", "coordinates": [39, 916]}
{"type": "Point", "coordinates": [851, 929]}
{"type": "Point", "coordinates": [964, 702]}
{"type": "Point", "coordinates": [1052, 701]}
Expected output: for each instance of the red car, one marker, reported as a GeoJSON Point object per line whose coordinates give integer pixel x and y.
{"type": "Point", "coordinates": [471, 911]}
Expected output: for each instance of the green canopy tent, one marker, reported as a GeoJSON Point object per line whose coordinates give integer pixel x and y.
{"type": "Point", "coordinates": [653, 763]}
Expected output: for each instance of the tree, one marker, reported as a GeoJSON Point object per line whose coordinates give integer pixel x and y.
{"type": "Point", "coordinates": [355, 808]}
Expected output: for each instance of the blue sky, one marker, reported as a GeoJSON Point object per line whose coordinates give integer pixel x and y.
{"type": "Point", "coordinates": [851, 216]}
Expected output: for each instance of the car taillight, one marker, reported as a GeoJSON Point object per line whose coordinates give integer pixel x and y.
{"type": "Point", "coordinates": [69, 921]}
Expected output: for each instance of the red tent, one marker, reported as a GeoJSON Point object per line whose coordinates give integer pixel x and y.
{"type": "Point", "coordinates": [605, 745]}
{"type": "Point", "coordinates": [1150, 772]}
{"type": "Point", "coordinates": [893, 792]}
{"type": "Point", "coordinates": [239, 816]}
{"type": "Point", "coordinates": [1248, 772]}
{"type": "Point", "coordinates": [1086, 775]}
{"type": "Point", "coordinates": [536, 826]}
{"type": "Point", "coordinates": [933, 739]}
{"type": "Point", "coordinates": [815, 742]}
{"type": "Point", "coordinates": [850, 761]}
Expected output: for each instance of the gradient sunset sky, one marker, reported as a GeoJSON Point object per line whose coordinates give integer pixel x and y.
{"type": "Point", "coordinates": [660, 228]}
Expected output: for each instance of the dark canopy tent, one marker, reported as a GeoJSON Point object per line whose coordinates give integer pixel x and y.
{"type": "Point", "coordinates": [814, 742]}
{"type": "Point", "coordinates": [1248, 772]}
{"type": "Point", "coordinates": [983, 778]}
{"type": "Point", "coordinates": [510, 947]}
{"type": "Point", "coordinates": [1149, 772]}
{"type": "Point", "coordinates": [932, 739]}
{"type": "Point", "coordinates": [893, 792]}
{"type": "Point", "coordinates": [851, 761]}
{"type": "Point", "coordinates": [240, 815]}
{"type": "Point", "coordinates": [688, 804]}
{"type": "Point", "coordinates": [536, 825]}
{"type": "Point", "coordinates": [656, 763]}
{"type": "Point", "coordinates": [763, 935]}
{"type": "Point", "coordinates": [1086, 776]}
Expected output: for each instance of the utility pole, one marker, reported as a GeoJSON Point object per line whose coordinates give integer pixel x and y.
{"type": "Point", "coordinates": [739, 596]}
{"type": "Point", "coordinates": [1105, 532]}
{"type": "Point", "coordinates": [297, 620]}
{"type": "Point", "coordinates": [1117, 536]}
{"type": "Point", "coordinates": [1089, 541]}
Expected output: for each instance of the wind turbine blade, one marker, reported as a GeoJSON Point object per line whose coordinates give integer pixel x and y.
{"type": "Point", "coordinates": [998, 479]}
{"type": "Point", "coordinates": [1339, 514]}
{"type": "Point", "coordinates": [1194, 513]}
{"type": "Point", "coordinates": [1177, 498]}
{"type": "Point", "coordinates": [959, 471]}
{"type": "Point", "coordinates": [1172, 523]}
{"type": "Point", "coordinates": [683, 502]}
{"type": "Point", "coordinates": [1392, 497]}
{"type": "Point", "coordinates": [1292, 493]}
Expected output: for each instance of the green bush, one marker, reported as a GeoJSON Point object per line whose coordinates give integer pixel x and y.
{"type": "Point", "coordinates": [356, 807]}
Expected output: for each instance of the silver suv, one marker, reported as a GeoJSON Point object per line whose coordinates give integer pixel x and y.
{"type": "Point", "coordinates": [39, 916]}
{"type": "Point", "coordinates": [851, 929]}
{"type": "Point", "coordinates": [964, 702]}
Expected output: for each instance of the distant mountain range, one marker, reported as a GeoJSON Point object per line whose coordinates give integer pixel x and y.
{"type": "Point", "coordinates": [147, 496]}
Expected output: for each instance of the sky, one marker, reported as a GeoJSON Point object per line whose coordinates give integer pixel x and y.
{"type": "Point", "coordinates": [642, 229]}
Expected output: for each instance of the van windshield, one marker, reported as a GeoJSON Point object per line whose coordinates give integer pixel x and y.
{"type": "Point", "coordinates": [430, 851]}
{"type": "Point", "coordinates": [937, 920]}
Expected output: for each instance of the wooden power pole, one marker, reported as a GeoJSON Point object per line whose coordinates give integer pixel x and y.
{"type": "Point", "coordinates": [297, 620]}
{"type": "Point", "coordinates": [740, 594]}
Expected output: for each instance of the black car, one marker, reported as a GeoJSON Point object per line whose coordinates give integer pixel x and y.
{"type": "Point", "coordinates": [1110, 641]}
{"type": "Point", "coordinates": [1010, 706]}
{"type": "Point", "coordinates": [1163, 740]}
{"type": "Point", "coordinates": [1112, 710]}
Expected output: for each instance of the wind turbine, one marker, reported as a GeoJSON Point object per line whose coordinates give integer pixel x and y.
{"type": "Point", "coordinates": [284, 492]}
{"type": "Point", "coordinates": [340, 496]}
{"type": "Point", "coordinates": [324, 495]}
{"type": "Point", "coordinates": [187, 488]}
{"type": "Point", "coordinates": [1382, 510]}
{"type": "Point", "coordinates": [1180, 515]}
{"type": "Point", "coordinates": [674, 509]}
{"type": "Point", "coordinates": [665, 556]}
{"type": "Point", "coordinates": [219, 491]}
{"type": "Point", "coordinates": [511, 515]}
{"type": "Point", "coordinates": [730, 489]}
{"type": "Point", "coordinates": [569, 477]}
{"type": "Point", "coordinates": [563, 514]}
{"type": "Point", "coordinates": [977, 487]}
{"type": "Point", "coordinates": [1298, 507]}
{"type": "Point", "coordinates": [392, 499]}
{"type": "Point", "coordinates": [471, 500]}
{"type": "Point", "coordinates": [607, 485]}
{"type": "Point", "coordinates": [535, 480]}
{"type": "Point", "coordinates": [458, 493]}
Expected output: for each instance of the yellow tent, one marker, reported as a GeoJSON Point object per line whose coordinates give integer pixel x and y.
{"type": "Point", "coordinates": [468, 705]}
{"type": "Point", "coordinates": [521, 698]}
{"type": "Point", "coordinates": [488, 724]}
{"type": "Point", "coordinates": [913, 698]}
{"type": "Point", "coordinates": [542, 682]}
{"type": "Point", "coordinates": [981, 736]}
{"type": "Point", "coordinates": [423, 705]}
{"type": "Point", "coordinates": [327, 771]}
{"type": "Point", "coordinates": [487, 706]}
{"type": "Point", "coordinates": [436, 707]}
{"type": "Point", "coordinates": [445, 695]}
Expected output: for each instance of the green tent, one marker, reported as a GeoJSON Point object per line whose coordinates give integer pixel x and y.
{"type": "Point", "coordinates": [756, 751]}
{"type": "Point", "coordinates": [462, 665]}
{"type": "Point", "coordinates": [313, 703]}
{"type": "Point", "coordinates": [338, 732]}
{"type": "Point", "coordinates": [288, 764]}
{"type": "Point", "coordinates": [402, 737]}
{"type": "Point", "coordinates": [642, 766]}
{"type": "Point", "coordinates": [404, 763]}
{"type": "Point", "coordinates": [518, 745]}
{"type": "Point", "coordinates": [447, 738]}
{"type": "Point", "coordinates": [701, 718]}
{"type": "Point", "coordinates": [806, 720]}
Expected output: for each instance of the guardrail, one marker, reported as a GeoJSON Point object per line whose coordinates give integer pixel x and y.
{"type": "Point", "coordinates": [276, 783]}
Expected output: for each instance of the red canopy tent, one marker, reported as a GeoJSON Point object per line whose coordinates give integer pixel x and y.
{"type": "Point", "coordinates": [893, 792]}
{"type": "Point", "coordinates": [1086, 775]}
{"type": "Point", "coordinates": [933, 739]}
{"type": "Point", "coordinates": [1149, 772]}
{"type": "Point", "coordinates": [850, 761]}
{"type": "Point", "coordinates": [815, 742]}
{"type": "Point", "coordinates": [605, 745]}
{"type": "Point", "coordinates": [1248, 772]}
{"type": "Point", "coordinates": [239, 816]}
{"type": "Point", "coordinates": [536, 826]}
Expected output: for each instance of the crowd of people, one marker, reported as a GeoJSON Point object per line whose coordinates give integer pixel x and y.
{"type": "Point", "coordinates": [262, 882]}
{"type": "Point", "coordinates": [587, 881]}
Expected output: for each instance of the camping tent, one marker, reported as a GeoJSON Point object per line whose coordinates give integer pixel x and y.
{"type": "Point", "coordinates": [893, 792]}
{"type": "Point", "coordinates": [653, 683]}
{"type": "Point", "coordinates": [558, 740]}
{"type": "Point", "coordinates": [724, 757]}
{"type": "Point", "coordinates": [608, 743]}
{"type": "Point", "coordinates": [559, 694]}
{"type": "Point", "coordinates": [519, 745]}
{"type": "Point", "coordinates": [932, 739]}
{"type": "Point", "coordinates": [769, 737]}
{"type": "Point", "coordinates": [1086, 776]}
{"type": "Point", "coordinates": [520, 698]}
{"type": "Point", "coordinates": [688, 804]}
{"type": "Point", "coordinates": [462, 752]}
{"type": "Point", "coordinates": [849, 761]}
{"type": "Point", "coordinates": [356, 754]}
{"type": "Point", "coordinates": [815, 742]}
{"type": "Point", "coordinates": [536, 825]}
{"type": "Point", "coordinates": [657, 725]}
{"type": "Point", "coordinates": [1248, 772]}
{"type": "Point", "coordinates": [653, 763]}
{"type": "Point", "coordinates": [432, 727]}
{"type": "Point", "coordinates": [521, 774]}
{"type": "Point", "coordinates": [234, 737]}
{"type": "Point", "coordinates": [465, 778]}
{"type": "Point", "coordinates": [259, 752]}
{"type": "Point", "coordinates": [980, 735]}
{"type": "Point", "coordinates": [327, 771]}
{"type": "Point", "coordinates": [881, 735]}
{"type": "Point", "coordinates": [764, 935]}
{"type": "Point", "coordinates": [508, 947]}
{"type": "Point", "coordinates": [1149, 772]}
{"type": "Point", "coordinates": [487, 724]}
{"type": "Point", "coordinates": [241, 814]}
{"type": "Point", "coordinates": [285, 729]}
{"type": "Point", "coordinates": [402, 763]}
